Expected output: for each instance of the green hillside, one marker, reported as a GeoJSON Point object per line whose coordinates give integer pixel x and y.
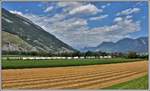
{"type": "Point", "coordinates": [32, 34]}
{"type": "Point", "coordinates": [12, 42]}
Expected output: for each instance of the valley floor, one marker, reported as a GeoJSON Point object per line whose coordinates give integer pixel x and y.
{"type": "Point", "coordinates": [75, 77]}
{"type": "Point", "coordinates": [23, 64]}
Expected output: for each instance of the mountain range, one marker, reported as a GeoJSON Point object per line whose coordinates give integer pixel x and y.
{"type": "Point", "coordinates": [139, 45]}
{"type": "Point", "coordinates": [21, 34]}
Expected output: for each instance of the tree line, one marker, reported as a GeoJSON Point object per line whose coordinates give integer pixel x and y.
{"type": "Point", "coordinates": [64, 54]}
{"type": "Point", "coordinates": [77, 54]}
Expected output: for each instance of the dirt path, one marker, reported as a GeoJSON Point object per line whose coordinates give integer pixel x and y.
{"type": "Point", "coordinates": [77, 77]}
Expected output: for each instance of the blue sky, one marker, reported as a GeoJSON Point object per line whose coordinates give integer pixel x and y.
{"type": "Point", "coordinates": [82, 24]}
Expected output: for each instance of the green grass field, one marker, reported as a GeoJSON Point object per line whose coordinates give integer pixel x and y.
{"type": "Point", "coordinates": [14, 64]}
{"type": "Point", "coordinates": [139, 83]}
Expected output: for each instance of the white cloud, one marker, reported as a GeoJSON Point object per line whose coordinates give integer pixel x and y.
{"type": "Point", "coordinates": [129, 16]}
{"type": "Point", "coordinates": [80, 8]}
{"type": "Point", "coordinates": [117, 19]}
{"type": "Point", "coordinates": [140, 3]}
{"type": "Point", "coordinates": [48, 9]}
{"type": "Point", "coordinates": [68, 25]}
{"type": "Point", "coordinates": [68, 6]}
{"type": "Point", "coordinates": [86, 9]}
{"type": "Point", "coordinates": [72, 4]}
{"type": "Point", "coordinates": [80, 22]}
{"type": "Point", "coordinates": [127, 26]}
{"type": "Point", "coordinates": [128, 11]}
{"type": "Point", "coordinates": [75, 30]}
{"type": "Point", "coordinates": [57, 17]}
{"type": "Point", "coordinates": [98, 17]}
{"type": "Point", "coordinates": [104, 6]}
{"type": "Point", "coordinates": [113, 33]}
{"type": "Point", "coordinates": [81, 36]}
{"type": "Point", "coordinates": [16, 12]}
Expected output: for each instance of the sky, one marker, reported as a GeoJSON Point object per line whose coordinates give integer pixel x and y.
{"type": "Point", "coordinates": [86, 24]}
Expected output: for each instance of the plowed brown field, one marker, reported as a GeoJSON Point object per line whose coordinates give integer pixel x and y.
{"type": "Point", "coordinates": [77, 77]}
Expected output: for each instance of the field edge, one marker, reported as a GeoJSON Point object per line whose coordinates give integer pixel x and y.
{"type": "Point", "coordinates": [132, 84]}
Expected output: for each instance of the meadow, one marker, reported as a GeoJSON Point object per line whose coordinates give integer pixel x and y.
{"type": "Point", "coordinates": [139, 83]}
{"type": "Point", "coordinates": [15, 64]}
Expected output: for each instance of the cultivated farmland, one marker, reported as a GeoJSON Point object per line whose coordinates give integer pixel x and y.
{"type": "Point", "coordinates": [77, 77]}
{"type": "Point", "coordinates": [15, 64]}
